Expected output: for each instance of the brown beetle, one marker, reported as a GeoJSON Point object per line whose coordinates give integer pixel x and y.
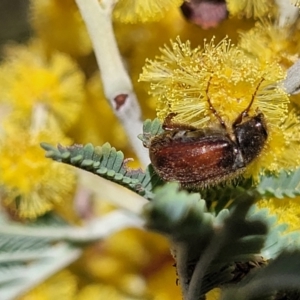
{"type": "Point", "coordinates": [198, 158]}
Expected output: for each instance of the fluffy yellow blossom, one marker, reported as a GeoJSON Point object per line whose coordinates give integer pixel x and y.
{"type": "Point", "coordinates": [28, 78]}
{"type": "Point", "coordinates": [214, 294]}
{"type": "Point", "coordinates": [181, 76]}
{"type": "Point", "coordinates": [281, 149]}
{"type": "Point", "coordinates": [98, 291]}
{"type": "Point", "coordinates": [140, 253]}
{"type": "Point", "coordinates": [162, 284]}
{"type": "Point", "coordinates": [133, 11]}
{"type": "Point", "coordinates": [131, 269]}
{"type": "Point", "coordinates": [250, 8]}
{"type": "Point", "coordinates": [103, 291]}
{"type": "Point", "coordinates": [130, 37]}
{"type": "Point", "coordinates": [61, 286]}
{"type": "Point", "coordinates": [287, 211]}
{"type": "Point", "coordinates": [185, 79]}
{"type": "Point", "coordinates": [60, 27]}
{"type": "Point", "coordinates": [268, 42]}
{"type": "Point", "coordinates": [32, 185]}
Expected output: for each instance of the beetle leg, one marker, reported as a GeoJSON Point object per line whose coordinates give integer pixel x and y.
{"type": "Point", "coordinates": [170, 125]}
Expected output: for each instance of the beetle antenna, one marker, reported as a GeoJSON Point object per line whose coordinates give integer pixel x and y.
{"type": "Point", "coordinates": [214, 111]}
{"type": "Point", "coordinates": [245, 112]}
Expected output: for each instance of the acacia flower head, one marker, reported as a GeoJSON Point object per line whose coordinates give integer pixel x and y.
{"type": "Point", "coordinates": [62, 285]}
{"type": "Point", "coordinates": [184, 79]}
{"type": "Point", "coordinates": [100, 290]}
{"type": "Point", "coordinates": [133, 11]}
{"type": "Point", "coordinates": [28, 78]}
{"type": "Point", "coordinates": [269, 42]}
{"type": "Point", "coordinates": [48, 17]}
{"type": "Point", "coordinates": [249, 8]}
{"type": "Point", "coordinates": [30, 184]}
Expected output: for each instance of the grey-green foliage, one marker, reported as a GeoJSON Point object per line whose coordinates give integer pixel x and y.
{"type": "Point", "coordinates": [224, 196]}
{"type": "Point", "coordinates": [32, 252]}
{"type": "Point", "coordinates": [106, 162]}
{"type": "Point", "coordinates": [150, 129]}
{"type": "Point", "coordinates": [207, 246]}
{"type": "Point", "coordinates": [278, 239]}
{"type": "Point", "coordinates": [28, 255]}
{"type": "Point", "coordinates": [284, 184]}
{"type": "Point", "coordinates": [281, 274]}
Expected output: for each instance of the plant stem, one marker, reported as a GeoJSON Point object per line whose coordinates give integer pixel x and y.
{"type": "Point", "coordinates": [38, 118]}
{"type": "Point", "coordinates": [116, 82]}
{"type": "Point", "coordinates": [181, 256]}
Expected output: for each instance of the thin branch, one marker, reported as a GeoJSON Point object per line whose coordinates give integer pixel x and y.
{"type": "Point", "coordinates": [94, 230]}
{"type": "Point", "coordinates": [288, 13]}
{"type": "Point", "coordinates": [38, 118]}
{"type": "Point", "coordinates": [292, 80]}
{"type": "Point", "coordinates": [116, 82]}
{"type": "Point", "coordinates": [104, 189]}
{"type": "Point", "coordinates": [182, 267]}
{"type": "Point", "coordinates": [61, 256]}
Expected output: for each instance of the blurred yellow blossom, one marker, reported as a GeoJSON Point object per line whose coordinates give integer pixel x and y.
{"type": "Point", "coordinates": [183, 79]}
{"type": "Point", "coordinates": [137, 255]}
{"type": "Point", "coordinates": [30, 184]}
{"type": "Point", "coordinates": [143, 244]}
{"type": "Point", "coordinates": [214, 294]}
{"type": "Point", "coordinates": [103, 291]}
{"type": "Point", "coordinates": [250, 8]}
{"type": "Point", "coordinates": [133, 11]}
{"type": "Point", "coordinates": [28, 78]}
{"type": "Point", "coordinates": [61, 286]}
{"type": "Point", "coordinates": [162, 283]}
{"type": "Point", "coordinates": [60, 27]}
{"type": "Point", "coordinates": [268, 42]}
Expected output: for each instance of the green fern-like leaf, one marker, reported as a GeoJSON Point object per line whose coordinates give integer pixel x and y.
{"type": "Point", "coordinates": [281, 185]}
{"type": "Point", "coordinates": [107, 162]}
{"type": "Point", "coordinates": [206, 247]}
{"type": "Point", "coordinates": [150, 130]}
{"type": "Point", "coordinates": [278, 239]}
{"type": "Point", "coordinates": [176, 214]}
{"type": "Point", "coordinates": [29, 254]}
{"type": "Point", "coordinates": [284, 184]}
{"type": "Point", "coordinates": [216, 249]}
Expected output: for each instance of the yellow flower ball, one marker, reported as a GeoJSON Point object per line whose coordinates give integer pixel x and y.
{"type": "Point", "coordinates": [60, 27]}
{"type": "Point", "coordinates": [28, 79]}
{"type": "Point", "coordinates": [31, 184]}
{"type": "Point", "coordinates": [133, 11]}
{"type": "Point", "coordinates": [60, 286]}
